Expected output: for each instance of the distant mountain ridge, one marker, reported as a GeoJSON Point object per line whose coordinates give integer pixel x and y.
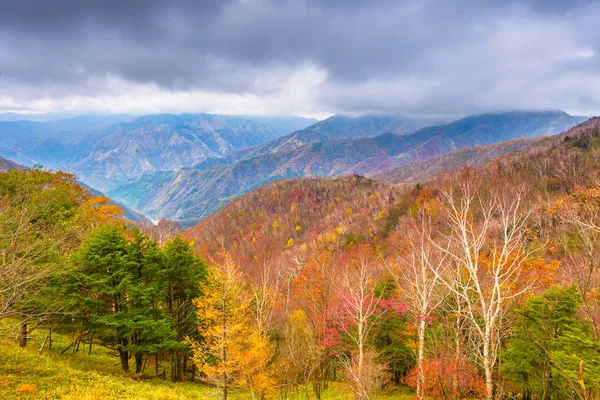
{"type": "Point", "coordinates": [21, 130]}
{"type": "Point", "coordinates": [108, 156]}
{"type": "Point", "coordinates": [337, 127]}
{"type": "Point", "coordinates": [193, 193]}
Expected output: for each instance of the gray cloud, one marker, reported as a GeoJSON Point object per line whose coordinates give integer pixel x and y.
{"type": "Point", "coordinates": [417, 57]}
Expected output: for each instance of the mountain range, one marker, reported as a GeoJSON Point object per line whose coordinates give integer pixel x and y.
{"type": "Point", "coordinates": [191, 194]}
{"type": "Point", "coordinates": [109, 155]}
{"type": "Point", "coordinates": [185, 167]}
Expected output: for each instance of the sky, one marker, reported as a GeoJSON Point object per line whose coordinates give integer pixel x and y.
{"type": "Point", "coordinates": [303, 57]}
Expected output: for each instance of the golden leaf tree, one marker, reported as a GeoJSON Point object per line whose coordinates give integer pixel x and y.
{"type": "Point", "coordinates": [234, 352]}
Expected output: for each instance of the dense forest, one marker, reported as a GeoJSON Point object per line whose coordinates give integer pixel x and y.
{"type": "Point", "coordinates": [479, 283]}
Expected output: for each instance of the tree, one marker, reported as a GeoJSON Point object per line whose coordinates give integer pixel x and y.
{"type": "Point", "coordinates": [552, 353]}
{"type": "Point", "coordinates": [315, 294]}
{"type": "Point", "coordinates": [421, 264]}
{"type": "Point", "coordinates": [115, 290]}
{"type": "Point", "coordinates": [182, 273]}
{"type": "Point", "coordinates": [391, 335]}
{"type": "Point", "coordinates": [486, 240]}
{"type": "Point", "coordinates": [233, 351]}
{"type": "Point", "coordinates": [299, 353]}
{"type": "Point", "coordinates": [163, 231]}
{"type": "Point", "coordinates": [359, 310]}
{"type": "Point", "coordinates": [41, 221]}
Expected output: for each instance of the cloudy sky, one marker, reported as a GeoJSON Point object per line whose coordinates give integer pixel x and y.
{"type": "Point", "coordinates": [302, 57]}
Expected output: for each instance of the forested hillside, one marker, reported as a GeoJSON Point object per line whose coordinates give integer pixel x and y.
{"type": "Point", "coordinates": [450, 287]}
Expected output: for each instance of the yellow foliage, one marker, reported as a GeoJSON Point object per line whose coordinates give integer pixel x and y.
{"type": "Point", "coordinates": [275, 224]}
{"type": "Point", "coordinates": [27, 388]}
{"type": "Point", "coordinates": [379, 216]}
{"type": "Point", "coordinates": [298, 317]}
{"type": "Point", "coordinates": [293, 207]}
{"type": "Point", "coordinates": [337, 231]}
{"type": "Point", "coordinates": [298, 227]}
{"type": "Point", "coordinates": [290, 243]}
{"type": "Point", "coordinates": [349, 211]}
{"type": "Point", "coordinates": [235, 352]}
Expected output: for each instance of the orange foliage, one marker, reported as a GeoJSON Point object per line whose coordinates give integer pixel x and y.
{"type": "Point", "coordinates": [102, 209]}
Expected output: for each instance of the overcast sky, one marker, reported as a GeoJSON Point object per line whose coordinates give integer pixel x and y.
{"type": "Point", "coordinates": [303, 57]}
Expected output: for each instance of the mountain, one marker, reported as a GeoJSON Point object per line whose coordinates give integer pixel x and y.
{"type": "Point", "coordinates": [420, 171]}
{"type": "Point", "coordinates": [5, 165]}
{"type": "Point", "coordinates": [193, 193]}
{"type": "Point", "coordinates": [337, 127]}
{"type": "Point", "coordinates": [12, 132]}
{"type": "Point", "coordinates": [283, 224]}
{"type": "Point", "coordinates": [288, 216]}
{"type": "Point", "coordinates": [283, 125]}
{"type": "Point", "coordinates": [109, 156]}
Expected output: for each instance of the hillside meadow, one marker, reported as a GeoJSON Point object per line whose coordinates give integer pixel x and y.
{"type": "Point", "coordinates": [51, 374]}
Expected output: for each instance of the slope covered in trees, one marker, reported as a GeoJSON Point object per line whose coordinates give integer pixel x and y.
{"type": "Point", "coordinates": [453, 265]}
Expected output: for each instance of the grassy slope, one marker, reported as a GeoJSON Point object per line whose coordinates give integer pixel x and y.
{"type": "Point", "coordinates": [78, 376]}
{"type": "Point", "coordinates": [26, 375]}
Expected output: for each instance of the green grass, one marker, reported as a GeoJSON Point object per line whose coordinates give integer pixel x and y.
{"type": "Point", "coordinates": [51, 375]}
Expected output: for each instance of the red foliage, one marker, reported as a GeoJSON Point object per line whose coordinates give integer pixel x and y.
{"type": "Point", "coordinates": [443, 377]}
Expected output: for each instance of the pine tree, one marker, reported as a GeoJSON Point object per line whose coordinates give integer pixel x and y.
{"type": "Point", "coordinates": [552, 352]}
{"type": "Point", "coordinates": [182, 273]}
{"type": "Point", "coordinates": [115, 292]}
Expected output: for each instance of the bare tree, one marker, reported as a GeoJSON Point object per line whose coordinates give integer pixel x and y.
{"type": "Point", "coordinates": [359, 307]}
{"type": "Point", "coordinates": [486, 242]}
{"type": "Point", "coordinates": [421, 264]}
{"type": "Point", "coordinates": [579, 230]}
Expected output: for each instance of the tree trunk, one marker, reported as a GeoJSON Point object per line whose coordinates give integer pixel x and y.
{"type": "Point", "coordinates": [487, 367]}
{"type": "Point", "coordinates": [124, 356]}
{"type": "Point", "coordinates": [91, 343]}
{"type": "Point", "coordinates": [457, 349]}
{"type": "Point", "coordinates": [420, 359]}
{"type": "Point", "coordinates": [184, 370]}
{"type": "Point", "coordinates": [139, 362]}
{"type": "Point", "coordinates": [23, 335]}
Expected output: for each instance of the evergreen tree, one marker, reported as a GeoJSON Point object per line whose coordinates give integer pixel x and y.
{"type": "Point", "coordinates": [116, 291]}
{"type": "Point", "coordinates": [182, 273]}
{"type": "Point", "coordinates": [552, 352]}
{"type": "Point", "coordinates": [392, 335]}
